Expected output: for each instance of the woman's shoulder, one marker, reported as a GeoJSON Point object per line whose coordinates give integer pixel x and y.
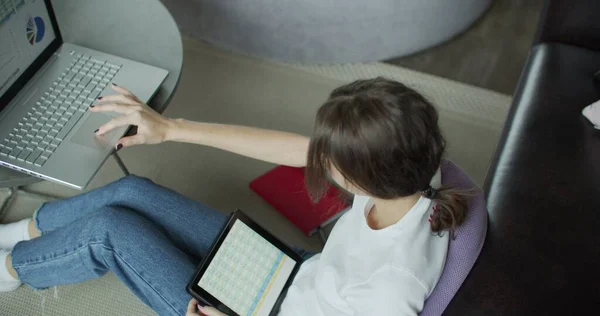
{"type": "Point", "coordinates": [423, 255]}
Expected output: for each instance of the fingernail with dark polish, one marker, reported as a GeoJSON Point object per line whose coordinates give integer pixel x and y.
{"type": "Point", "coordinates": [99, 98]}
{"type": "Point", "coordinates": [114, 84]}
{"type": "Point", "coordinates": [96, 131]}
{"type": "Point", "coordinates": [92, 105]}
{"type": "Point", "coordinates": [119, 146]}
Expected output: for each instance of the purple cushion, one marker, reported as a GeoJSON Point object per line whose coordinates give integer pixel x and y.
{"type": "Point", "coordinates": [462, 251]}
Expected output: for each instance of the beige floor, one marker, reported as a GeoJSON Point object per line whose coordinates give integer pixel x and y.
{"type": "Point", "coordinates": [227, 88]}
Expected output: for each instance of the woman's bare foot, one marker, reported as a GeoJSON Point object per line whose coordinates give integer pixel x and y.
{"type": "Point", "coordinates": [33, 231]}
{"type": "Point", "coordinates": [9, 267]}
{"type": "Point", "coordinates": [9, 281]}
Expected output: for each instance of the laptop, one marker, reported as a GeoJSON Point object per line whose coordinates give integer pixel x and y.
{"type": "Point", "coordinates": [46, 88]}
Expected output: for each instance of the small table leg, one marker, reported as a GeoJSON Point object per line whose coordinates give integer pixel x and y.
{"type": "Point", "coordinates": [14, 191]}
{"type": "Point", "coordinates": [120, 163]}
{"type": "Point", "coordinates": [8, 201]}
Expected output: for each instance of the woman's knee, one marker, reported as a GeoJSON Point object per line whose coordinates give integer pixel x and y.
{"type": "Point", "coordinates": [132, 184]}
{"type": "Point", "coordinates": [123, 230]}
{"type": "Point", "coordinates": [116, 222]}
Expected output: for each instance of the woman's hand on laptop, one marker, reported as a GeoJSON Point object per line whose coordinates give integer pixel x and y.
{"type": "Point", "coordinates": [152, 127]}
{"type": "Point", "coordinates": [208, 311]}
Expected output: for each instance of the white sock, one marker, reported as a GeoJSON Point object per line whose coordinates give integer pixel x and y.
{"type": "Point", "coordinates": [11, 234]}
{"type": "Point", "coordinates": [7, 282]}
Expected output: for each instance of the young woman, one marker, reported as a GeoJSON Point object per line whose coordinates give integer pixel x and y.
{"type": "Point", "coordinates": [378, 139]}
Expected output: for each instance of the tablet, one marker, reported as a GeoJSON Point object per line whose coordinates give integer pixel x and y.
{"type": "Point", "coordinates": [246, 272]}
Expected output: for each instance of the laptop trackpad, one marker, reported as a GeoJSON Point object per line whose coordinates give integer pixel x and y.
{"type": "Point", "coordinates": [85, 134]}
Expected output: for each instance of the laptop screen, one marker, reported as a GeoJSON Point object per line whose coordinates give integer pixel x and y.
{"type": "Point", "coordinates": [25, 32]}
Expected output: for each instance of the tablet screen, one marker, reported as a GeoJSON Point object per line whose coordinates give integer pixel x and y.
{"type": "Point", "coordinates": [247, 273]}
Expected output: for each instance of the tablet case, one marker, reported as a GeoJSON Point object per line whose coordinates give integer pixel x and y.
{"type": "Point", "coordinates": [284, 188]}
{"type": "Point", "coordinates": [198, 293]}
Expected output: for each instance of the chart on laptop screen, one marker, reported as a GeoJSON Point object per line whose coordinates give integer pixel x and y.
{"type": "Point", "coordinates": [25, 31]}
{"type": "Point", "coordinates": [247, 273]}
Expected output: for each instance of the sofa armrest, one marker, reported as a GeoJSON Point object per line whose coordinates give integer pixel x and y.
{"type": "Point", "coordinates": [542, 193]}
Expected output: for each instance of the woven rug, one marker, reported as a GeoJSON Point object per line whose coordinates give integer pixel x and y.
{"type": "Point", "coordinates": [222, 87]}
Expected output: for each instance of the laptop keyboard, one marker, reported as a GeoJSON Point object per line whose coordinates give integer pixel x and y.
{"type": "Point", "coordinates": [50, 120]}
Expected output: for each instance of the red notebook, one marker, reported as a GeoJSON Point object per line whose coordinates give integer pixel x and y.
{"type": "Point", "coordinates": [283, 187]}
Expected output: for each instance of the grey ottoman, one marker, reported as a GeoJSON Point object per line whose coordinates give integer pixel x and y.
{"type": "Point", "coordinates": [325, 31]}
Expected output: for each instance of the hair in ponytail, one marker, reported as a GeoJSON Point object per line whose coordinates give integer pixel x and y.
{"type": "Point", "coordinates": [450, 209]}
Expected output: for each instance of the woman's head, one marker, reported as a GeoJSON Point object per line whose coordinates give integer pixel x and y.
{"type": "Point", "coordinates": [380, 138]}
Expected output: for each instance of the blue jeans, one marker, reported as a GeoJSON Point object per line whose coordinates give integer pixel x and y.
{"type": "Point", "coordinates": [152, 238]}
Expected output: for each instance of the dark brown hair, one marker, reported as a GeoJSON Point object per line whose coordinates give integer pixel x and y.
{"type": "Point", "coordinates": [384, 138]}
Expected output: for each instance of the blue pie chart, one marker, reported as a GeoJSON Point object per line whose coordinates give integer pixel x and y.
{"type": "Point", "coordinates": [36, 28]}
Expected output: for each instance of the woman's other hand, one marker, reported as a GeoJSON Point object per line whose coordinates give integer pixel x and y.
{"type": "Point", "coordinates": [152, 128]}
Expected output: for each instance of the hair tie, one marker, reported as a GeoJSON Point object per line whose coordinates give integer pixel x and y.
{"type": "Point", "coordinates": [429, 193]}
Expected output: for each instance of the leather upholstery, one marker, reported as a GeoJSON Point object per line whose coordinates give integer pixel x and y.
{"type": "Point", "coordinates": [575, 22]}
{"type": "Point", "coordinates": [542, 251]}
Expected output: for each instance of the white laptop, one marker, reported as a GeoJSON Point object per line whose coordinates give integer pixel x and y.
{"type": "Point", "coordinates": [46, 88]}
